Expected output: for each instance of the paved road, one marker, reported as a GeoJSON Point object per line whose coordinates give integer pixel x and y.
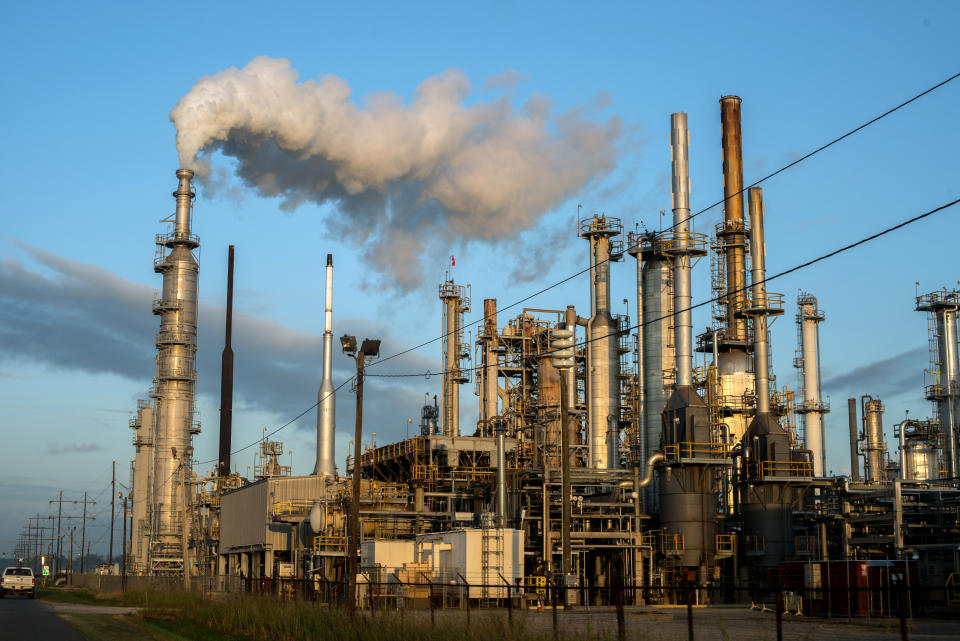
{"type": "Point", "coordinates": [26, 618]}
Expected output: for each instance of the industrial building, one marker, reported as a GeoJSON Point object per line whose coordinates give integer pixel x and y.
{"type": "Point", "coordinates": [603, 452]}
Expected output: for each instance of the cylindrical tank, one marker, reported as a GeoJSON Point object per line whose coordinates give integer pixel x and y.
{"type": "Point", "coordinates": [920, 458]}
{"type": "Point", "coordinates": [688, 506]}
{"type": "Point", "coordinates": [875, 448]}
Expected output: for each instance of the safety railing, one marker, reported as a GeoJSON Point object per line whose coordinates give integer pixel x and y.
{"type": "Point", "coordinates": [600, 225]}
{"type": "Point", "coordinates": [696, 450]}
{"type": "Point", "coordinates": [770, 302]}
{"type": "Point", "coordinates": [166, 304]}
{"type": "Point", "coordinates": [676, 241]}
{"type": "Point", "coordinates": [726, 543]}
{"type": "Point", "coordinates": [787, 468]}
{"type": "Point", "coordinates": [178, 237]}
{"type": "Point", "coordinates": [329, 543]}
{"type": "Point", "coordinates": [291, 508]}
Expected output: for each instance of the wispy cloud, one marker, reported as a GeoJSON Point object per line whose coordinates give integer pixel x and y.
{"type": "Point", "coordinates": [73, 448]}
{"type": "Point", "coordinates": [79, 317]}
{"type": "Point", "coordinates": [508, 79]}
{"type": "Point", "coordinates": [888, 377]}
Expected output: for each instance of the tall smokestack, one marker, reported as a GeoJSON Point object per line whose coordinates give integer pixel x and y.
{"type": "Point", "coordinates": [326, 398]}
{"type": "Point", "coordinates": [759, 291]}
{"type": "Point", "coordinates": [733, 231]}
{"type": "Point", "coordinates": [683, 325]}
{"type": "Point", "coordinates": [226, 377]}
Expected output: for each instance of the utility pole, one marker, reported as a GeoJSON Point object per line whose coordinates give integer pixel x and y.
{"type": "Point", "coordinates": [83, 533]}
{"type": "Point", "coordinates": [71, 554]}
{"type": "Point", "coordinates": [59, 516]}
{"type": "Point", "coordinates": [113, 509]}
{"type": "Point", "coordinates": [369, 349]}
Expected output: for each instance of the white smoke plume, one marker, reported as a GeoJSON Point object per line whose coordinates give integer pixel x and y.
{"type": "Point", "coordinates": [403, 177]}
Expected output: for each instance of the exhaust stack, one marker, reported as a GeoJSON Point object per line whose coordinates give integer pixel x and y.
{"type": "Point", "coordinates": [326, 397]}
{"type": "Point", "coordinates": [226, 377]}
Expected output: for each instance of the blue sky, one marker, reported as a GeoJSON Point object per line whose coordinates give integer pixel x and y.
{"type": "Point", "coordinates": [88, 160]}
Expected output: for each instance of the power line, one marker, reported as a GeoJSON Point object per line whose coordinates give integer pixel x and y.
{"type": "Point", "coordinates": [785, 272]}
{"type": "Point", "coordinates": [691, 217]}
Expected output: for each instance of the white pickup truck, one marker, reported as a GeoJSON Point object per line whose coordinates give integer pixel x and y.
{"type": "Point", "coordinates": [18, 580]}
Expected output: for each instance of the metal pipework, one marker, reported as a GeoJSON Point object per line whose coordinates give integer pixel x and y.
{"type": "Point", "coordinates": [489, 389]}
{"type": "Point", "coordinates": [809, 318]}
{"type": "Point", "coordinates": [176, 379]}
{"type": "Point", "coordinates": [874, 447]}
{"type": "Point", "coordinates": [680, 187]}
{"type": "Point", "coordinates": [733, 230]}
{"type": "Point", "coordinates": [226, 376]}
{"type": "Point", "coordinates": [854, 453]}
{"type": "Point", "coordinates": [326, 396]}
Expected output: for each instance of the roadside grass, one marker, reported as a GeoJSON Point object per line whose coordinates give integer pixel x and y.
{"type": "Point", "coordinates": [132, 627]}
{"type": "Point", "coordinates": [131, 598]}
{"type": "Point", "coordinates": [265, 619]}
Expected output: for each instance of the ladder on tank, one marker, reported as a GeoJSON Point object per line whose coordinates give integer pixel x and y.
{"type": "Point", "coordinates": [491, 555]}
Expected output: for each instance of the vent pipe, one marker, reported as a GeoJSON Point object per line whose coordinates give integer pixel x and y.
{"type": "Point", "coordinates": [326, 397]}
{"type": "Point", "coordinates": [226, 377]}
{"type": "Point", "coordinates": [759, 290]}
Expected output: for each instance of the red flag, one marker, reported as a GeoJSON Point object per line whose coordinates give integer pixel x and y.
{"type": "Point", "coordinates": [452, 261]}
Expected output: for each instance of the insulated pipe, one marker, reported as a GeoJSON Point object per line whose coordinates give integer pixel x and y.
{"type": "Point", "coordinates": [854, 457]}
{"type": "Point", "coordinates": [501, 431]}
{"type": "Point", "coordinates": [680, 187]}
{"type": "Point", "coordinates": [226, 376]}
{"type": "Point", "coordinates": [326, 397]}
{"type": "Point", "coordinates": [733, 227]}
{"type": "Point", "coordinates": [759, 290]}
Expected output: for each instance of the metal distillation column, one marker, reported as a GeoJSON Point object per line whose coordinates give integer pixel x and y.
{"type": "Point", "coordinates": [603, 361]}
{"type": "Point", "coordinates": [175, 382]}
{"type": "Point", "coordinates": [683, 323]}
{"type": "Point", "coordinates": [874, 446]}
{"type": "Point", "coordinates": [142, 481]}
{"type": "Point", "coordinates": [455, 303]}
{"type": "Point", "coordinates": [812, 409]}
{"type": "Point", "coordinates": [326, 396]}
{"type": "Point", "coordinates": [942, 307]}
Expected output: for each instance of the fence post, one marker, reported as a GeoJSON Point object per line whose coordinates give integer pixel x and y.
{"type": "Point", "coordinates": [467, 600]}
{"type": "Point", "coordinates": [904, 629]}
{"type": "Point", "coordinates": [509, 600]}
{"type": "Point", "coordinates": [618, 599]}
{"type": "Point", "coordinates": [689, 610]}
{"type": "Point", "coordinates": [553, 603]}
{"type": "Point", "coordinates": [779, 606]}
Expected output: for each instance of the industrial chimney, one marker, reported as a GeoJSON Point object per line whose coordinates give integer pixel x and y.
{"type": "Point", "coordinates": [326, 397]}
